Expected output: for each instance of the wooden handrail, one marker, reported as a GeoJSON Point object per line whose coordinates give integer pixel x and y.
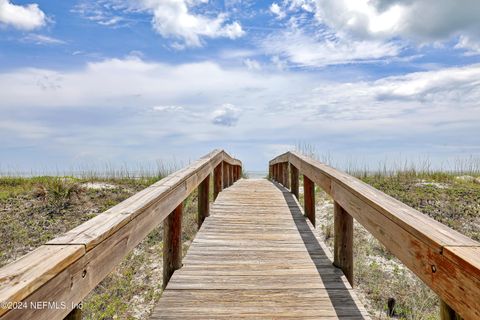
{"type": "Point", "coordinates": [444, 259]}
{"type": "Point", "coordinates": [48, 282]}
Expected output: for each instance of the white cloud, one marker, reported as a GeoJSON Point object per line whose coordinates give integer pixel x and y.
{"type": "Point", "coordinates": [41, 39]}
{"type": "Point", "coordinates": [252, 64]}
{"type": "Point", "coordinates": [277, 10]}
{"type": "Point", "coordinates": [181, 20]}
{"type": "Point", "coordinates": [168, 108]}
{"type": "Point", "coordinates": [27, 17]}
{"type": "Point", "coordinates": [227, 115]}
{"type": "Point", "coordinates": [102, 12]}
{"type": "Point", "coordinates": [174, 18]}
{"type": "Point", "coordinates": [325, 49]}
{"type": "Point", "coordinates": [470, 46]}
{"type": "Point", "coordinates": [364, 30]}
{"type": "Point", "coordinates": [420, 20]}
{"type": "Point", "coordinates": [139, 104]}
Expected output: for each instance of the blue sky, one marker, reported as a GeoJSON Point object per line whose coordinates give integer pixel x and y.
{"type": "Point", "coordinates": [129, 82]}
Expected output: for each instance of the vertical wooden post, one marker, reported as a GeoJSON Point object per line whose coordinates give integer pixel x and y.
{"type": "Point", "coordinates": [274, 170]}
{"type": "Point", "coordinates": [239, 172]}
{"type": "Point", "coordinates": [343, 242]}
{"type": "Point", "coordinates": [309, 198]}
{"type": "Point", "coordinates": [294, 180]}
{"type": "Point", "coordinates": [203, 201]}
{"type": "Point", "coordinates": [447, 313]}
{"type": "Point", "coordinates": [286, 177]}
{"type": "Point", "coordinates": [172, 243]}
{"type": "Point", "coordinates": [280, 173]}
{"type": "Point", "coordinates": [217, 180]}
{"type": "Point", "coordinates": [225, 175]}
{"type": "Point", "coordinates": [270, 172]}
{"type": "Point", "coordinates": [231, 180]}
{"type": "Point", "coordinates": [75, 314]}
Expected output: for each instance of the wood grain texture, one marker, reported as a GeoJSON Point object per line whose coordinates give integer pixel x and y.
{"type": "Point", "coordinates": [203, 201]}
{"type": "Point", "coordinates": [294, 181]}
{"type": "Point", "coordinates": [343, 241]}
{"type": "Point", "coordinates": [217, 180]}
{"type": "Point", "coordinates": [280, 173]}
{"type": "Point", "coordinates": [256, 256]}
{"type": "Point", "coordinates": [172, 244]}
{"type": "Point", "coordinates": [444, 259]}
{"type": "Point", "coordinates": [22, 277]}
{"type": "Point", "coordinates": [309, 198]}
{"type": "Point", "coordinates": [226, 175]}
{"type": "Point", "coordinates": [286, 176]}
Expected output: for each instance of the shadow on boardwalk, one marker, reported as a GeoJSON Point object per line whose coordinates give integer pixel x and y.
{"type": "Point", "coordinates": [341, 298]}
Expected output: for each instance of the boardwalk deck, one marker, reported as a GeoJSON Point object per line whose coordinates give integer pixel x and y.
{"type": "Point", "coordinates": [256, 256]}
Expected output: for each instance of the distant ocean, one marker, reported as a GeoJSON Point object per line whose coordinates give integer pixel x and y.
{"type": "Point", "coordinates": [256, 174]}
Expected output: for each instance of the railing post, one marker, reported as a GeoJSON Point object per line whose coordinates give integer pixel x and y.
{"type": "Point", "coordinates": [217, 180]}
{"type": "Point", "coordinates": [274, 170]}
{"type": "Point", "coordinates": [75, 314]}
{"type": "Point", "coordinates": [309, 198]}
{"type": "Point", "coordinates": [203, 200]}
{"type": "Point", "coordinates": [280, 173]}
{"type": "Point", "coordinates": [343, 242]}
{"type": "Point", "coordinates": [294, 180]}
{"type": "Point", "coordinates": [172, 243]}
{"type": "Point", "coordinates": [447, 313]}
{"type": "Point", "coordinates": [270, 172]}
{"type": "Point", "coordinates": [225, 175]}
{"type": "Point", "coordinates": [286, 181]}
{"type": "Point", "coordinates": [231, 180]}
{"type": "Point", "coordinates": [239, 172]}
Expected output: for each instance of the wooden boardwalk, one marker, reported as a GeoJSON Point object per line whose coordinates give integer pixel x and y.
{"type": "Point", "coordinates": [256, 256]}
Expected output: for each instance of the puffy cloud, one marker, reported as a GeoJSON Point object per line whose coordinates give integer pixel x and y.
{"type": "Point", "coordinates": [177, 19]}
{"type": "Point", "coordinates": [173, 18]}
{"type": "Point", "coordinates": [421, 20]}
{"type": "Point", "coordinates": [227, 115]}
{"type": "Point", "coordinates": [470, 46]}
{"type": "Point", "coordinates": [27, 17]}
{"type": "Point", "coordinates": [277, 10]}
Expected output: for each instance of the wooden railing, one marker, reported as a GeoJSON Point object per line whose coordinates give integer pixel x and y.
{"type": "Point", "coordinates": [49, 282]}
{"type": "Point", "coordinates": [447, 261]}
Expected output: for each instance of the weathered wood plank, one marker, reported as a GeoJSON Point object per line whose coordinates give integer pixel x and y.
{"type": "Point", "coordinates": [22, 277]}
{"type": "Point", "coordinates": [257, 256]}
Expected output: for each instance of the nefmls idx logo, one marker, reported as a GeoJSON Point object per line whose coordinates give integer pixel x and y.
{"type": "Point", "coordinates": [53, 305]}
